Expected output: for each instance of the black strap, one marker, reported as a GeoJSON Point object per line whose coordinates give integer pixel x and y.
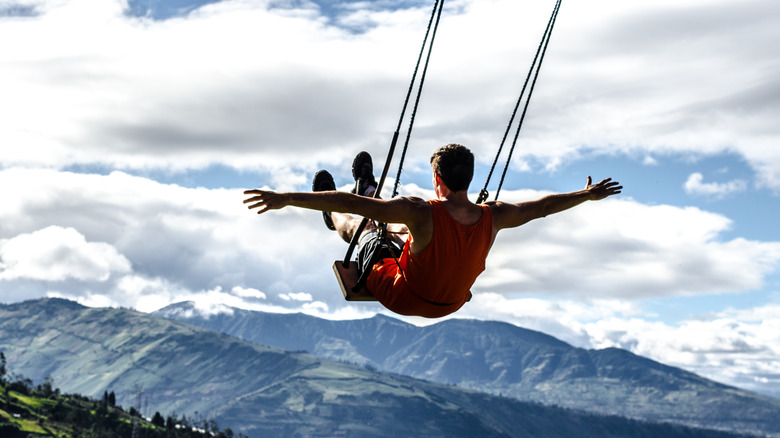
{"type": "Point", "coordinates": [379, 249]}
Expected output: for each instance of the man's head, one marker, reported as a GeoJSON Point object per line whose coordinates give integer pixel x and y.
{"type": "Point", "coordinates": [454, 164]}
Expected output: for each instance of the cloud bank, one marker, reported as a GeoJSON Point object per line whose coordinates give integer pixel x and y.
{"type": "Point", "coordinates": [270, 87]}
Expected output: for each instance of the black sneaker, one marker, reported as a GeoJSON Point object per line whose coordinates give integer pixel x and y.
{"type": "Point", "coordinates": [363, 172]}
{"type": "Point", "coordinates": [323, 181]}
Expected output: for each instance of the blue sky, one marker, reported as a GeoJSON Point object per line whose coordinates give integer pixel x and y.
{"type": "Point", "coordinates": [130, 130]}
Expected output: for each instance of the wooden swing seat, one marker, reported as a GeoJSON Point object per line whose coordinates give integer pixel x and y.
{"type": "Point", "coordinates": [348, 278]}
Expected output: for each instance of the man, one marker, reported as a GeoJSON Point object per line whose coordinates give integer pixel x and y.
{"type": "Point", "coordinates": [448, 238]}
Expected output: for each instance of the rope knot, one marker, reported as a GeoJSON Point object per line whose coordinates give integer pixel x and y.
{"type": "Point", "coordinates": [483, 195]}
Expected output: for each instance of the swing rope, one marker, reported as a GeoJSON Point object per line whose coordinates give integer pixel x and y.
{"type": "Point", "coordinates": [417, 100]}
{"type": "Point", "coordinates": [435, 14]}
{"type": "Point", "coordinates": [542, 49]}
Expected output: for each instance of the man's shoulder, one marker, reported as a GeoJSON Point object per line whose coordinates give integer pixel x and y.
{"type": "Point", "coordinates": [416, 201]}
{"type": "Point", "coordinates": [499, 206]}
{"type": "Point", "coordinates": [415, 209]}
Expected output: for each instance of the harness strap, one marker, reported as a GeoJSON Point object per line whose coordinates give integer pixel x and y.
{"type": "Point", "coordinates": [376, 256]}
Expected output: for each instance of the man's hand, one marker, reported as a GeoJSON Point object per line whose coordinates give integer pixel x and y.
{"type": "Point", "coordinates": [605, 188]}
{"type": "Point", "coordinates": [265, 200]}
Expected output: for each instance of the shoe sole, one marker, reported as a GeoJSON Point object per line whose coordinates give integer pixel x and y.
{"type": "Point", "coordinates": [360, 160]}
{"type": "Point", "coordinates": [321, 177]}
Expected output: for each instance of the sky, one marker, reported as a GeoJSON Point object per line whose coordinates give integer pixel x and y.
{"type": "Point", "coordinates": [129, 131]}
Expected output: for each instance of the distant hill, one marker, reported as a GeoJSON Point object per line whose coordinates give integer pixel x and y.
{"type": "Point", "coordinates": [504, 359]}
{"type": "Point", "coordinates": [266, 391]}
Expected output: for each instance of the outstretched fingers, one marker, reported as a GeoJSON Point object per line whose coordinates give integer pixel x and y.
{"type": "Point", "coordinates": [601, 183]}
{"type": "Point", "coordinates": [604, 188]}
{"type": "Point", "coordinates": [263, 200]}
{"type": "Point", "coordinates": [611, 187]}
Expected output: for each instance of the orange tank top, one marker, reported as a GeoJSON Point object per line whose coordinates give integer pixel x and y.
{"type": "Point", "coordinates": [437, 281]}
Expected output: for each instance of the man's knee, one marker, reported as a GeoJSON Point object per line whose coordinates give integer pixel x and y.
{"type": "Point", "coordinates": [345, 225]}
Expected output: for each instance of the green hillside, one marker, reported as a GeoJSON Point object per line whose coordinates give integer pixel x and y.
{"type": "Point", "coordinates": [27, 411]}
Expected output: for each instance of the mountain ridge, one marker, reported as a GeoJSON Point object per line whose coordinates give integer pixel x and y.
{"type": "Point", "coordinates": [266, 391]}
{"type": "Point", "coordinates": [504, 359]}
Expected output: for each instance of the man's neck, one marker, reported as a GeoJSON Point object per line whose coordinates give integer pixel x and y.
{"type": "Point", "coordinates": [456, 198]}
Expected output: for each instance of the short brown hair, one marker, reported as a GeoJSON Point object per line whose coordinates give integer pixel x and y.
{"type": "Point", "coordinates": [454, 163]}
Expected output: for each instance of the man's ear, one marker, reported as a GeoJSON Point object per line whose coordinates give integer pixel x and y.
{"type": "Point", "coordinates": [437, 180]}
{"type": "Point", "coordinates": [439, 184]}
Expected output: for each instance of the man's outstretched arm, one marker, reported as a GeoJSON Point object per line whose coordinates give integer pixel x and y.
{"type": "Point", "coordinates": [513, 215]}
{"type": "Point", "coordinates": [409, 211]}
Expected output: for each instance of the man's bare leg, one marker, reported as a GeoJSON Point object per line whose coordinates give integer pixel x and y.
{"type": "Point", "coordinates": [398, 232]}
{"type": "Point", "coordinates": [346, 225]}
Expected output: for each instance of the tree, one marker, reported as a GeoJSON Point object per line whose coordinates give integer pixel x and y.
{"type": "Point", "coordinates": [2, 378]}
{"type": "Point", "coordinates": [20, 384]}
{"type": "Point", "coordinates": [47, 387]}
{"type": "Point", "coordinates": [112, 399]}
{"type": "Point", "coordinates": [2, 368]}
{"type": "Point", "coordinates": [158, 420]}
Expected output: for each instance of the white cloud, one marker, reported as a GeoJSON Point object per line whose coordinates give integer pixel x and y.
{"type": "Point", "coordinates": [562, 318]}
{"type": "Point", "coordinates": [166, 93]}
{"type": "Point", "coordinates": [149, 244]}
{"type": "Point", "coordinates": [695, 186]}
{"type": "Point", "coordinates": [247, 292]}
{"type": "Point", "coordinates": [85, 299]}
{"type": "Point", "coordinates": [621, 248]}
{"type": "Point", "coordinates": [301, 296]}
{"type": "Point", "coordinates": [55, 253]}
{"type": "Point", "coordinates": [725, 347]}
{"type": "Point", "coordinates": [317, 307]}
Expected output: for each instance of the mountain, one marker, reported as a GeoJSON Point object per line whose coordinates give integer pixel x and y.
{"type": "Point", "coordinates": [504, 359]}
{"type": "Point", "coordinates": [172, 367]}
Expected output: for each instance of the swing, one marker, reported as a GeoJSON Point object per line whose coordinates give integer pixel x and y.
{"type": "Point", "coordinates": [346, 271]}
{"type": "Point", "coordinates": [348, 280]}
